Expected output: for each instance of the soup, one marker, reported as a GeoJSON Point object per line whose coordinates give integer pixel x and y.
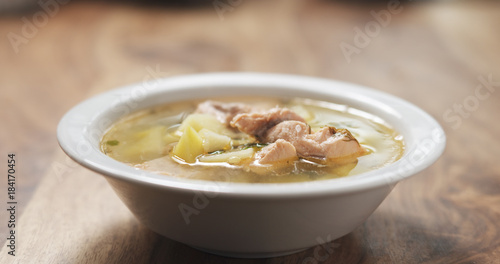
{"type": "Point", "coordinates": [253, 140]}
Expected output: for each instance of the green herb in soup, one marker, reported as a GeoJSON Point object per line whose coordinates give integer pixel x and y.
{"type": "Point", "coordinates": [254, 140]}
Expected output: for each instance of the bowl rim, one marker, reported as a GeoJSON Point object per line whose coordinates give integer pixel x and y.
{"type": "Point", "coordinates": [84, 124]}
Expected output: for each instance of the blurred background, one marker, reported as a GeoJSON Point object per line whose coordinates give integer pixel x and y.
{"type": "Point", "coordinates": [435, 54]}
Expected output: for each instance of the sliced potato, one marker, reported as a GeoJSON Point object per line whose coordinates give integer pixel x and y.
{"type": "Point", "coordinates": [200, 121]}
{"type": "Point", "coordinates": [213, 141]}
{"type": "Point", "coordinates": [190, 145]}
{"type": "Point", "coordinates": [231, 157]}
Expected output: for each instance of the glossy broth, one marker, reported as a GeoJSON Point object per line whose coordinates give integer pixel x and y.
{"type": "Point", "coordinates": [146, 138]}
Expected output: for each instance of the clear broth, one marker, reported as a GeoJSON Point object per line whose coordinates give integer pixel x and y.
{"type": "Point", "coordinates": [144, 140]}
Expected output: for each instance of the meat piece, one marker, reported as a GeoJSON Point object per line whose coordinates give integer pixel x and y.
{"type": "Point", "coordinates": [328, 143]}
{"type": "Point", "coordinates": [224, 112]}
{"type": "Point", "coordinates": [323, 134]}
{"type": "Point", "coordinates": [342, 146]}
{"type": "Point", "coordinates": [290, 131]}
{"type": "Point", "coordinates": [284, 124]}
{"type": "Point", "coordinates": [279, 151]}
{"type": "Point", "coordinates": [257, 124]}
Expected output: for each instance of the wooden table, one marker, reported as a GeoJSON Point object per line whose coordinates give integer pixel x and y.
{"type": "Point", "coordinates": [437, 55]}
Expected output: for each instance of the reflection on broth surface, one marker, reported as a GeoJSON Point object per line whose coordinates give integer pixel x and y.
{"type": "Point", "coordinates": [254, 140]}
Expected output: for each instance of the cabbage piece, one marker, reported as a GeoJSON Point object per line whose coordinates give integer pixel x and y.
{"type": "Point", "coordinates": [231, 157]}
{"type": "Point", "coordinates": [303, 112]}
{"type": "Point", "coordinates": [146, 145]}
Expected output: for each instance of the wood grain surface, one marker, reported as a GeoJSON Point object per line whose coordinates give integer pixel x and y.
{"type": "Point", "coordinates": [433, 54]}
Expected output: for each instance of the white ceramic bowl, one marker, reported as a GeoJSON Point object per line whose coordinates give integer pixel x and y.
{"type": "Point", "coordinates": [249, 220]}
